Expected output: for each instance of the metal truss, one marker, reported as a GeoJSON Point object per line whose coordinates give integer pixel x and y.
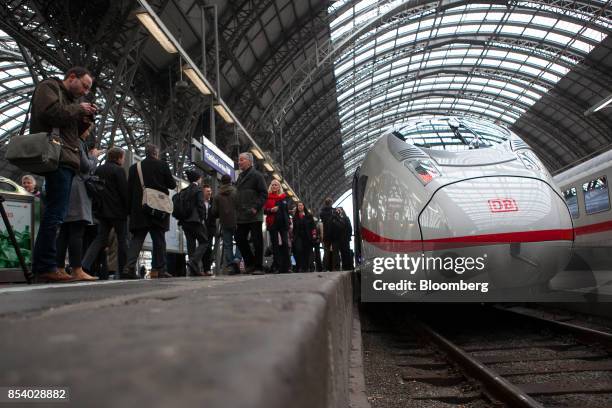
{"type": "Point", "coordinates": [309, 72]}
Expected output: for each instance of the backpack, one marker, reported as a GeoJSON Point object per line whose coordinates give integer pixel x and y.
{"type": "Point", "coordinates": [183, 203]}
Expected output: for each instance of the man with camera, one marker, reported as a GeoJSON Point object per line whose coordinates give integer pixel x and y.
{"type": "Point", "coordinates": [55, 105]}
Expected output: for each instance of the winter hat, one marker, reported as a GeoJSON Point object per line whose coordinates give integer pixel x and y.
{"type": "Point", "coordinates": [226, 179]}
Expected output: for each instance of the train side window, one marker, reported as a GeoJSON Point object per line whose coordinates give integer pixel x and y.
{"type": "Point", "coordinates": [596, 197]}
{"type": "Point", "coordinates": [571, 198]}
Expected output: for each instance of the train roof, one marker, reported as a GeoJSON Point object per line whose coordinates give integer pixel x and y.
{"type": "Point", "coordinates": [596, 164]}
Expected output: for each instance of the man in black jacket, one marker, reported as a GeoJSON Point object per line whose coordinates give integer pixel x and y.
{"type": "Point", "coordinates": [112, 212]}
{"type": "Point", "coordinates": [342, 240]}
{"type": "Point", "coordinates": [210, 226]}
{"type": "Point", "coordinates": [193, 226]}
{"type": "Point", "coordinates": [330, 261]}
{"type": "Point", "coordinates": [156, 175]}
{"type": "Point", "coordinates": [252, 195]}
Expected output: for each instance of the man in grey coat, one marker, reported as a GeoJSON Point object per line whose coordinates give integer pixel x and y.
{"type": "Point", "coordinates": [252, 194]}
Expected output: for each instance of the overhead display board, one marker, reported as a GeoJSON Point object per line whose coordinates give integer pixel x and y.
{"type": "Point", "coordinates": [209, 156]}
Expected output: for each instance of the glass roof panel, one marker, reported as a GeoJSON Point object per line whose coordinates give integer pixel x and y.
{"type": "Point", "coordinates": [498, 61]}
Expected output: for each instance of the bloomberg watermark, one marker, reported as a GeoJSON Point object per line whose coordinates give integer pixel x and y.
{"type": "Point", "coordinates": [403, 265]}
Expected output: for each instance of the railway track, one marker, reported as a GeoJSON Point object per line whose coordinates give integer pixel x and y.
{"type": "Point", "coordinates": [483, 357]}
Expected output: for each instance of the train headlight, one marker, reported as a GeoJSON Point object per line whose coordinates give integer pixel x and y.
{"type": "Point", "coordinates": [424, 169]}
{"type": "Point", "coordinates": [530, 160]}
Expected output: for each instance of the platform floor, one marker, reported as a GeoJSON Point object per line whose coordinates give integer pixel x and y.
{"type": "Point", "coordinates": [214, 342]}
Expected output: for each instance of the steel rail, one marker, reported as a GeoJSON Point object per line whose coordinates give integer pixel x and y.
{"type": "Point", "coordinates": [493, 383]}
{"type": "Point", "coordinates": [603, 338]}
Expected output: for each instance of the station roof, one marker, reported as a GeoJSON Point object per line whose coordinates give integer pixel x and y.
{"type": "Point", "coordinates": [324, 79]}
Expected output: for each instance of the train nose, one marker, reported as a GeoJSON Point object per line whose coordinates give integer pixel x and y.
{"type": "Point", "coordinates": [520, 225]}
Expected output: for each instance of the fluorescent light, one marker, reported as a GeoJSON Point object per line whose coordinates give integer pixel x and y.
{"type": "Point", "coordinates": [276, 176]}
{"type": "Point", "coordinates": [268, 167]}
{"type": "Point", "coordinates": [296, 199]}
{"type": "Point", "coordinates": [224, 113]}
{"type": "Point", "coordinates": [599, 105]}
{"type": "Point", "coordinates": [257, 153]}
{"type": "Point", "coordinates": [285, 186]}
{"type": "Point", "coordinates": [605, 102]}
{"type": "Point", "coordinates": [147, 20]}
{"type": "Point", "coordinates": [195, 78]}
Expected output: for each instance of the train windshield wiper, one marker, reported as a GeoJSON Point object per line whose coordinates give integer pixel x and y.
{"type": "Point", "coordinates": [458, 135]}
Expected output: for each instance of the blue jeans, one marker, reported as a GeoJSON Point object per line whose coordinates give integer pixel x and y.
{"type": "Point", "coordinates": [57, 197]}
{"type": "Point", "coordinates": [228, 245]}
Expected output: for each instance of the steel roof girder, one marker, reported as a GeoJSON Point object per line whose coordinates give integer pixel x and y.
{"type": "Point", "coordinates": [378, 18]}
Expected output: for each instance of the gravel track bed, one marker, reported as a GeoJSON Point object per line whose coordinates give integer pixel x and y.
{"type": "Point", "coordinates": [390, 356]}
{"type": "Point", "coordinates": [386, 363]}
{"type": "Point", "coordinates": [577, 400]}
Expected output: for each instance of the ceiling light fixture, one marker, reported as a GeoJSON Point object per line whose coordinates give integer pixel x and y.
{"type": "Point", "coordinates": [224, 113]}
{"type": "Point", "coordinates": [599, 106]}
{"type": "Point", "coordinates": [257, 153]}
{"type": "Point", "coordinates": [155, 30]}
{"type": "Point", "coordinates": [195, 78]}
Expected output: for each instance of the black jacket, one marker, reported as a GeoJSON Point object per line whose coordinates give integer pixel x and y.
{"type": "Point", "coordinates": [303, 228]}
{"type": "Point", "coordinates": [114, 196]}
{"type": "Point", "coordinates": [209, 216]}
{"type": "Point", "coordinates": [347, 232]}
{"type": "Point", "coordinates": [325, 216]}
{"type": "Point", "coordinates": [198, 211]}
{"type": "Point", "coordinates": [156, 174]}
{"type": "Point", "coordinates": [252, 193]}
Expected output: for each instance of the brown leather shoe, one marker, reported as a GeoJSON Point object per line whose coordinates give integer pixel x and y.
{"type": "Point", "coordinates": [80, 275]}
{"type": "Point", "coordinates": [63, 272]}
{"type": "Point", "coordinates": [198, 273]}
{"type": "Point", "coordinates": [54, 277]}
{"type": "Point", "coordinates": [154, 274]}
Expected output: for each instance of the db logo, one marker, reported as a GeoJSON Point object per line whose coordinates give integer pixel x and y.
{"type": "Point", "coordinates": [503, 205]}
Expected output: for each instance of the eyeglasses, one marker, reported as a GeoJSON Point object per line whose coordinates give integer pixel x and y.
{"type": "Point", "coordinates": [85, 86]}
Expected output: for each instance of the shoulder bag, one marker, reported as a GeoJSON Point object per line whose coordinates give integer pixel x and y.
{"type": "Point", "coordinates": [154, 202]}
{"type": "Point", "coordinates": [37, 153]}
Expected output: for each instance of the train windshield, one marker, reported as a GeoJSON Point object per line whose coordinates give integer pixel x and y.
{"type": "Point", "coordinates": [454, 134]}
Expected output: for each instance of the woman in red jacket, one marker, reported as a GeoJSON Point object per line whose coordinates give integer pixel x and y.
{"type": "Point", "coordinates": [276, 209]}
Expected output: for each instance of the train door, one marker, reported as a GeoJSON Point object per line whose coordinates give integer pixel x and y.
{"type": "Point", "coordinates": [359, 184]}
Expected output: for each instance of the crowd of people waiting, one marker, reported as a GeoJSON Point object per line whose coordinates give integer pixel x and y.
{"type": "Point", "coordinates": [90, 207]}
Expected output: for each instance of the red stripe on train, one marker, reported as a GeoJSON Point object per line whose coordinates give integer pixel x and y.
{"type": "Point", "coordinates": [594, 228]}
{"type": "Point", "coordinates": [399, 245]}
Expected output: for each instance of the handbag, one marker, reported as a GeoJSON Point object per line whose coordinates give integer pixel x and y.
{"type": "Point", "coordinates": [94, 186]}
{"type": "Point", "coordinates": [37, 153]}
{"type": "Point", "coordinates": [154, 202]}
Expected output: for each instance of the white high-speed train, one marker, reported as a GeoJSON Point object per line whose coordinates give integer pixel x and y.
{"type": "Point", "coordinates": [585, 188]}
{"type": "Point", "coordinates": [452, 189]}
